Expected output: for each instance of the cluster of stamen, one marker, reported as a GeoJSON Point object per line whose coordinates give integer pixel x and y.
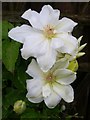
{"type": "Point", "coordinates": [50, 78]}
{"type": "Point", "coordinates": [49, 32]}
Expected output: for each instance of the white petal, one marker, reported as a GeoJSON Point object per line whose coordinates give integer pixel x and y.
{"type": "Point", "coordinates": [34, 87]}
{"type": "Point", "coordinates": [66, 92]}
{"type": "Point", "coordinates": [65, 76]}
{"type": "Point", "coordinates": [48, 15]}
{"type": "Point", "coordinates": [35, 45]}
{"type": "Point", "coordinates": [46, 90]}
{"type": "Point", "coordinates": [70, 44]}
{"type": "Point", "coordinates": [34, 70]}
{"type": "Point", "coordinates": [33, 17]}
{"type": "Point", "coordinates": [61, 63]}
{"type": "Point", "coordinates": [80, 54]}
{"type": "Point", "coordinates": [20, 33]}
{"type": "Point", "coordinates": [47, 60]}
{"type": "Point", "coordinates": [65, 25]}
{"type": "Point", "coordinates": [56, 43]}
{"type": "Point", "coordinates": [81, 47]}
{"type": "Point", "coordinates": [79, 40]}
{"type": "Point", "coordinates": [52, 100]}
{"type": "Point", "coordinates": [36, 99]}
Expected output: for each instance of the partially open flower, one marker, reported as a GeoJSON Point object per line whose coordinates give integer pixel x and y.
{"type": "Point", "coordinates": [50, 86]}
{"type": "Point", "coordinates": [47, 36]}
{"type": "Point", "coordinates": [76, 53]}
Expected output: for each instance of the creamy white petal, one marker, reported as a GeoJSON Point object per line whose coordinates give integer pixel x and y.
{"type": "Point", "coordinates": [52, 100]}
{"type": "Point", "coordinates": [65, 25]}
{"type": "Point", "coordinates": [70, 44]}
{"type": "Point", "coordinates": [34, 87]}
{"type": "Point", "coordinates": [35, 45]}
{"type": "Point", "coordinates": [82, 47]}
{"type": "Point", "coordinates": [20, 33]}
{"type": "Point", "coordinates": [65, 76]}
{"type": "Point", "coordinates": [79, 40]}
{"type": "Point", "coordinates": [47, 60]}
{"type": "Point", "coordinates": [36, 99]}
{"type": "Point", "coordinates": [60, 64]}
{"type": "Point", "coordinates": [56, 43]}
{"type": "Point", "coordinates": [33, 17]}
{"type": "Point", "coordinates": [66, 92]}
{"type": "Point", "coordinates": [48, 15]}
{"type": "Point", "coordinates": [80, 54]}
{"type": "Point", "coordinates": [34, 70]}
{"type": "Point", "coordinates": [46, 90]}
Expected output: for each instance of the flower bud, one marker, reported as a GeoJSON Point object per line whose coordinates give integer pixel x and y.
{"type": "Point", "coordinates": [19, 106]}
{"type": "Point", "coordinates": [73, 65]}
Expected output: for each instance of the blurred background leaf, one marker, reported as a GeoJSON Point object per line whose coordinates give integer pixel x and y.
{"type": "Point", "coordinates": [10, 54]}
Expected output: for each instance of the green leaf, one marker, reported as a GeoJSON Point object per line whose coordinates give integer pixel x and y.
{"type": "Point", "coordinates": [6, 26]}
{"type": "Point", "coordinates": [20, 75]}
{"type": "Point", "coordinates": [0, 41]}
{"type": "Point", "coordinates": [30, 114]}
{"type": "Point", "coordinates": [11, 97]}
{"type": "Point", "coordinates": [10, 54]}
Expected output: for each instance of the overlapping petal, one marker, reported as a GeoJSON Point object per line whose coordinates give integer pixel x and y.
{"type": "Point", "coordinates": [19, 34]}
{"type": "Point", "coordinates": [65, 91]}
{"type": "Point", "coordinates": [49, 15]}
{"type": "Point", "coordinates": [46, 90]}
{"type": "Point", "coordinates": [34, 88]}
{"type": "Point", "coordinates": [33, 17]}
{"type": "Point", "coordinates": [36, 99]}
{"type": "Point", "coordinates": [47, 60]}
{"type": "Point", "coordinates": [56, 43]}
{"type": "Point", "coordinates": [60, 64]}
{"type": "Point", "coordinates": [65, 76]}
{"type": "Point", "coordinates": [70, 44]}
{"type": "Point", "coordinates": [34, 46]}
{"type": "Point", "coordinates": [65, 25]}
{"type": "Point", "coordinates": [34, 70]}
{"type": "Point", "coordinates": [52, 100]}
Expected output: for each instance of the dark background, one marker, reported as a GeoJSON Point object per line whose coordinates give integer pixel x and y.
{"type": "Point", "coordinates": [79, 12]}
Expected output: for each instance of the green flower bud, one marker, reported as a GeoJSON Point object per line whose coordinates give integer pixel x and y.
{"type": "Point", "coordinates": [19, 106]}
{"type": "Point", "coordinates": [73, 65]}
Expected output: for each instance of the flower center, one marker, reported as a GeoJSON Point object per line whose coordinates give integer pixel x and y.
{"type": "Point", "coordinates": [49, 32]}
{"type": "Point", "coordinates": [50, 78]}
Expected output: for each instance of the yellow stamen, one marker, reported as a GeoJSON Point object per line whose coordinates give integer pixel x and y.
{"type": "Point", "coordinates": [49, 32]}
{"type": "Point", "coordinates": [50, 78]}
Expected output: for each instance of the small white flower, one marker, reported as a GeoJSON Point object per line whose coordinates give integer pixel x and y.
{"type": "Point", "coordinates": [47, 35]}
{"type": "Point", "coordinates": [50, 86]}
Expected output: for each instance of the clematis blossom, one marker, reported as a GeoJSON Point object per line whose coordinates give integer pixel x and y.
{"type": "Point", "coordinates": [46, 36]}
{"type": "Point", "coordinates": [51, 86]}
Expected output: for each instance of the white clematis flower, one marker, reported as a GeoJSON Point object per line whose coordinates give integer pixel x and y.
{"type": "Point", "coordinates": [47, 35]}
{"type": "Point", "coordinates": [50, 86]}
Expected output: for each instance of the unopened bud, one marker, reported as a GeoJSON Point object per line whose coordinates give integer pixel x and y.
{"type": "Point", "coordinates": [73, 65]}
{"type": "Point", "coordinates": [19, 106]}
